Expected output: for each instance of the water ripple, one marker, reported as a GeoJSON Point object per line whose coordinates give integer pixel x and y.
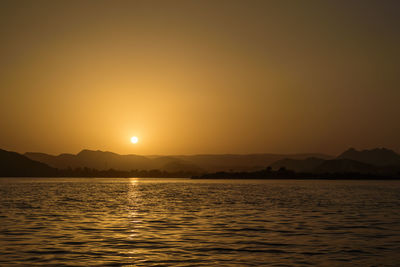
{"type": "Point", "coordinates": [182, 222]}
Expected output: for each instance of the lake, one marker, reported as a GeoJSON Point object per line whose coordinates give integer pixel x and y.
{"type": "Point", "coordinates": [184, 222]}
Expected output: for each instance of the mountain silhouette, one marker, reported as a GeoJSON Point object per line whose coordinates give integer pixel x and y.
{"type": "Point", "coordinates": [13, 164]}
{"type": "Point", "coordinates": [377, 156]}
{"type": "Point", "coordinates": [374, 161]}
{"type": "Point", "coordinates": [102, 160]}
{"type": "Point", "coordinates": [89, 163]}
{"type": "Point", "coordinates": [99, 160]}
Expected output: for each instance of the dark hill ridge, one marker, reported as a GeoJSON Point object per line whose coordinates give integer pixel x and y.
{"type": "Point", "coordinates": [91, 159]}
{"type": "Point", "coordinates": [352, 164]}
{"type": "Point", "coordinates": [377, 156]}
{"type": "Point", "coordinates": [88, 163]}
{"type": "Point", "coordinates": [197, 163]}
{"type": "Point", "coordinates": [374, 161]}
{"type": "Point", "coordinates": [104, 160]}
{"type": "Point", "coordinates": [13, 164]}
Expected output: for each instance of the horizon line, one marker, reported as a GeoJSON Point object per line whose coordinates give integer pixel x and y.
{"type": "Point", "coordinates": [201, 154]}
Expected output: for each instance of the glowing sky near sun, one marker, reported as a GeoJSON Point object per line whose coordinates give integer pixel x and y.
{"type": "Point", "coordinates": [199, 76]}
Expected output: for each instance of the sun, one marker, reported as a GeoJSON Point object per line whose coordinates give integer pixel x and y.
{"type": "Point", "coordinates": [134, 139]}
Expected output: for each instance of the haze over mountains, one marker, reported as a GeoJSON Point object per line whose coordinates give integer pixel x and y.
{"type": "Point", "coordinates": [101, 160]}
{"type": "Point", "coordinates": [377, 156]}
{"type": "Point", "coordinates": [376, 162]}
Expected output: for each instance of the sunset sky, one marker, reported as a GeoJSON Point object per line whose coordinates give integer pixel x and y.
{"type": "Point", "coordinates": [191, 77]}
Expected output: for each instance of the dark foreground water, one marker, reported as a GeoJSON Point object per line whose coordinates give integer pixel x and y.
{"type": "Point", "coordinates": [183, 222]}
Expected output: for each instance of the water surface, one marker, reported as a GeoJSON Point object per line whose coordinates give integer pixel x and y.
{"type": "Point", "coordinates": [183, 222]}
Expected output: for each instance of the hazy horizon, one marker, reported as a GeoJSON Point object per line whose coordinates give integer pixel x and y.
{"type": "Point", "coordinates": [206, 77]}
{"type": "Point", "coordinates": [195, 154]}
{"type": "Point", "coordinates": [201, 154]}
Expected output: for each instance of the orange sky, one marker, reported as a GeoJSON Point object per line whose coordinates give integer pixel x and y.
{"type": "Point", "coordinates": [191, 77]}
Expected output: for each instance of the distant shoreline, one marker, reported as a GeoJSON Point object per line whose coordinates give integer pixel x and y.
{"type": "Point", "coordinates": [211, 178]}
{"type": "Point", "coordinates": [283, 174]}
{"type": "Point", "coordinates": [328, 179]}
